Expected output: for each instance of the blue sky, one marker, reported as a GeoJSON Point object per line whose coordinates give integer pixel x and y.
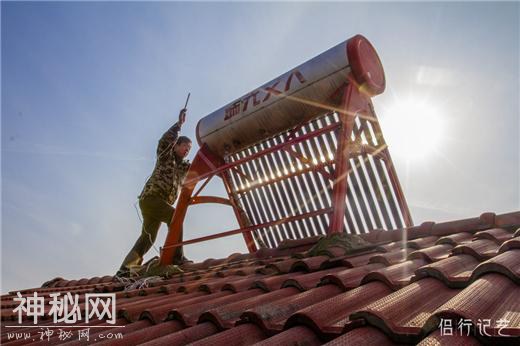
{"type": "Point", "coordinates": [88, 88]}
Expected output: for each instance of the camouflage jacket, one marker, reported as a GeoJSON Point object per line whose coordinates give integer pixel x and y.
{"type": "Point", "coordinates": [169, 172]}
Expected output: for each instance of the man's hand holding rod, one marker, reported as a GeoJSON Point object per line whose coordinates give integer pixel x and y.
{"type": "Point", "coordinates": [182, 116]}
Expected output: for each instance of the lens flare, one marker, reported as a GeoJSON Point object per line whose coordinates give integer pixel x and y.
{"type": "Point", "coordinates": [413, 129]}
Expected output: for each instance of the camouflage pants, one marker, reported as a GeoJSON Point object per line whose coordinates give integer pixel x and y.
{"type": "Point", "coordinates": [154, 211]}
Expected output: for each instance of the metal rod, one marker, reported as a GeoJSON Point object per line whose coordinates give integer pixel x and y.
{"type": "Point", "coordinates": [253, 199]}
{"type": "Point", "coordinates": [277, 204]}
{"type": "Point", "coordinates": [187, 99]}
{"type": "Point", "coordinates": [265, 200]}
{"type": "Point", "coordinates": [248, 238]}
{"type": "Point", "coordinates": [310, 149]}
{"type": "Point", "coordinates": [281, 192]}
{"type": "Point", "coordinates": [356, 184]}
{"type": "Point", "coordinates": [264, 152]}
{"type": "Point", "coordinates": [294, 193]}
{"type": "Point", "coordinates": [209, 199]}
{"type": "Point", "coordinates": [367, 176]}
{"type": "Point", "coordinates": [353, 101]}
{"type": "Point", "coordinates": [202, 186]}
{"type": "Point", "coordinates": [249, 229]}
{"type": "Point", "coordinates": [285, 177]}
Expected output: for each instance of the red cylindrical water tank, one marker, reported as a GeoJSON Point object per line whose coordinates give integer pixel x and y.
{"type": "Point", "coordinates": [295, 97]}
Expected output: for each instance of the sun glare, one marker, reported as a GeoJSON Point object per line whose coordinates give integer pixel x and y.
{"type": "Point", "coordinates": [413, 129]}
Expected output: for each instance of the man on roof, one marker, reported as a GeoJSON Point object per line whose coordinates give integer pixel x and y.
{"type": "Point", "coordinates": [160, 192]}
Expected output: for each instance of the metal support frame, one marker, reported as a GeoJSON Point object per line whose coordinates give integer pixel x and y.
{"type": "Point", "coordinates": [353, 103]}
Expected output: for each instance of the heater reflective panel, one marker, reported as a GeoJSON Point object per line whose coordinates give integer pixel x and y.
{"type": "Point", "coordinates": [298, 179]}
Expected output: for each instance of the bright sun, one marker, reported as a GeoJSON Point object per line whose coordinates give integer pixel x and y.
{"type": "Point", "coordinates": [413, 129]}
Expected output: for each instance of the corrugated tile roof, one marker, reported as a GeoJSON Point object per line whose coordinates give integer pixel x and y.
{"type": "Point", "coordinates": [399, 291]}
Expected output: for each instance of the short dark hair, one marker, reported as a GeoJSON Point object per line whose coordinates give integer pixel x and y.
{"type": "Point", "coordinates": [182, 139]}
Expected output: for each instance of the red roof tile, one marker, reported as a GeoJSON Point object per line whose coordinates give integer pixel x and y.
{"type": "Point", "coordinates": [242, 284]}
{"type": "Point", "coordinates": [310, 264]}
{"type": "Point", "coordinates": [455, 239]}
{"type": "Point", "coordinates": [394, 257]}
{"type": "Point", "coordinates": [395, 276]}
{"type": "Point", "coordinates": [189, 313]}
{"type": "Point", "coordinates": [362, 336]}
{"type": "Point", "coordinates": [310, 280]}
{"type": "Point", "coordinates": [244, 334]}
{"type": "Point", "coordinates": [403, 314]}
{"type": "Point", "coordinates": [225, 316]}
{"type": "Point", "coordinates": [454, 271]}
{"type": "Point", "coordinates": [499, 235]}
{"type": "Point", "coordinates": [358, 260]}
{"type": "Point", "coordinates": [181, 337]}
{"type": "Point", "coordinates": [132, 310]}
{"type": "Point", "coordinates": [396, 245]}
{"type": "Point", "coordinates": [142, 335]}
{"type": "Point", "coordinates": [492, 297]}
{"type": "Point", "coordinates": [158, 312]}
{"type": "Point", "coordinates": [433, 253]}
{"type": "Point", "coordinates": [299, 335]}
{"type": "Point", "coordinates": [506, 263]}
{"type": "Point", "coordinates": [397, 291]}
{"type": "Point", "coordinates": [273, 316]}
{"type": "Point", "coordinates": [510, 244]}
{"type": "Point", "coordinates": [274, 282]}
{"type": "Point", "coordinates": [421, 243]}
{"type": "Point", "coordinates": [438, 339]}
{"type": "Point", "coordinates": [481, 249]}
{"type": "Point", "coordinates": [331, 315]}
{"type": "Point", "coordinates": [282, 267]}
{"type": "Point", "coordinates": [351, 278]}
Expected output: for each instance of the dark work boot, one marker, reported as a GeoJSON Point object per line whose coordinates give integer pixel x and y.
{"type": "Point", "coordinates": [179, 257]}
{"type": "Point", "coordinates": [132, 259]}
{"type": "Point", "coordinates": [123, 273]}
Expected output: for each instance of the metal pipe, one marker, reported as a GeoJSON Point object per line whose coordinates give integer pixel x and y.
{"type": "Point", "coordinates": [248, 229]}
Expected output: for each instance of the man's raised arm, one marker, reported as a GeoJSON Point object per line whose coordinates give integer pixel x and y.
{"type": "Point", "coordinates": [169, 138]}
